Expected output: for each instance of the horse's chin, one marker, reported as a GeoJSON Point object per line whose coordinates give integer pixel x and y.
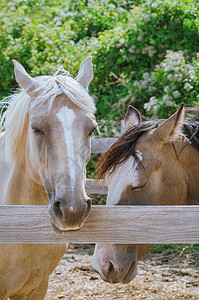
{"type": "Point", "coordinates": [131, 274]}
{"type": "Point", "coordinates": [56, 229]}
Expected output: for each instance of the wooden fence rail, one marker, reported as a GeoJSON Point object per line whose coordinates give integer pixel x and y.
{"type": "Point", "coordinates": [105, 224]}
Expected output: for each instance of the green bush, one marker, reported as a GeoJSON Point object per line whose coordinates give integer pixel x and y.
{"type": "Point", "coordinates": [133, 50]}
{"type": "Point", "coordinates": [144, 52]}
{"type": "Point", "coordinates": [172, 82]}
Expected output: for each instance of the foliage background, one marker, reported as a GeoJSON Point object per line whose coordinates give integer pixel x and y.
{"type": "Point", "coordinates": [145, 53]}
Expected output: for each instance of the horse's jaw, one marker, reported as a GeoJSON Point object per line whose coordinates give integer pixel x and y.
{"type": "Point", "coordinates": [113, 265]}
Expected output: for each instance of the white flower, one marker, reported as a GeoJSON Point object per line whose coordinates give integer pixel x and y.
{"type": "Point", "coordinates": [152, 105]}
{"type": "Point", "coordinates": [176, 94]}
{"type": "Point", "coordinates": [144, 50]}
{"type": "Point", "coordinates": [166, 89]}
{"type": "Point", "coordinates": [111, 6]}
{"type": "Point", "coordinates": [136, 83]}
{"type": "Point", "coordinates": [179, 77]}
{"type": "Point", "coordinates": [121, 10]}
{"type": "Point", "coordinates": [132, 49]}
{"type": "Point", "coordinates": [167, 98]}
{"type": "Point", "coordinates": [153, 100]}
{"type": "Point", "coordinates": [152, 89]}
{"type": "Point", "coordinates": [188, 86]}
{"type": "Point", "coordinates": [146, 76]}
{"type": "Point", "coordinates": [140, 38]}
{"type": "Point", "coordinates": [59, 23]}
{"type": "Point", "coordinates": [146, 106]}
{"type": "Point", "coordinates": [130, 25]}
{"type": "Point", "coordinates": [151, 53]}
{"type": "Point", "coordinates": [143, 83]}
{"type": "Point", "coordinates": [154, 5]}
{"type": "Point", "coordinates": [122, 41]}
{"type": "Point", "coordinates": [146, 17]}
{"type": "Point", "coordinates": [170, 77]}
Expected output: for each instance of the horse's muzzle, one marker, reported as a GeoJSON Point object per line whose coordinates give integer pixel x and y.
{"type": "Point", "coordinates": [66, 215]}
{"type": "Point", "coordinates": [113, 266]}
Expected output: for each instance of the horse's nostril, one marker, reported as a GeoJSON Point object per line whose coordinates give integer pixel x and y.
{"type": "Point", "coordinates": [57, 208]}
{"type": "Point", "coordinates": [111, 268]}
{"type": "Point", "coordinates": [89, 202]}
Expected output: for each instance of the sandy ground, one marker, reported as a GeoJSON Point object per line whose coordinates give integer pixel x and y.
{"type": "Point", "coordinates": [174, 276]}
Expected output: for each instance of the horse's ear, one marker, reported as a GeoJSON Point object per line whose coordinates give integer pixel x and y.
{"type": "Point", "coordinates": [170, 129]}
{"type": "Point", "coordinates": [25, 80]}
{"type": "Point", "coordinates": [85, 74]}
{"type": "Point", "coordinates": [132, 117]}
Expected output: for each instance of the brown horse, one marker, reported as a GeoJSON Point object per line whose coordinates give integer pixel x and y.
{"type": "Point", "coordinates": [45, 145]}
{"type": "Point", "coordinates": [152, 163]}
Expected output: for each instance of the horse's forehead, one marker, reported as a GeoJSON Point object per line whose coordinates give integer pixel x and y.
{"type": "Point", "coordinates": [148, 148]}
{"type": "Point", "coordinates": [48, 112]}
{"type": "Point", "coordinates": [63, 101]}
{"type": "Point", "coordinates": [124, 175]}
{"type": "Point", "coordinates": [143, 143]}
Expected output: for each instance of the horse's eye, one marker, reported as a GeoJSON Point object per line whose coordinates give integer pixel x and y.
{"type": "Point", "coordinates": [38, 131]}
{"type": "Point", "coordinates": [91, 132]}
{"type": "Point", "coordinates": [139, 188]}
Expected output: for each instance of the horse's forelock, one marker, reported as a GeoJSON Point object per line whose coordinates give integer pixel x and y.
{"type": "Point", "coordinates": [61, 84]}
{"type": "Point", "coordinates": [123, 148]}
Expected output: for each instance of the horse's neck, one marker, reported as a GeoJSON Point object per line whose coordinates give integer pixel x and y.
{"type": "Point", "coordinates": [22, 190]}
{"type": "Point", "coordinates": [16, 185]}
{"type": "Point", "coordinates": [189, 159]}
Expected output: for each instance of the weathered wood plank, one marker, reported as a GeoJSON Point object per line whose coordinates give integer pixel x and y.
{"type": "Point", "coordinates": [96, 187]}
{"type": "Point", "coordinates": [100, 145]}
{"type": "Point", "coordinates": [119, 224]}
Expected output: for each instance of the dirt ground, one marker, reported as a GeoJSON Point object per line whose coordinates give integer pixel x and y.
{"type": "Point", "coordinates": [174, 276]}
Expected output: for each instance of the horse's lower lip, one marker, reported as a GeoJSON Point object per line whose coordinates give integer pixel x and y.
{"type": "Point", "coordinates": [60, 231]}
{"type": "Point", "coordinates": [56, 229]}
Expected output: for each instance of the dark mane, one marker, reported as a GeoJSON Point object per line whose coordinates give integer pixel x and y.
{"type": "Point", "coordinates": [124, 147]}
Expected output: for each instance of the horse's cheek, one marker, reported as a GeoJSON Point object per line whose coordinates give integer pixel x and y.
{"type": "Point", "coordinates": [142, 250]}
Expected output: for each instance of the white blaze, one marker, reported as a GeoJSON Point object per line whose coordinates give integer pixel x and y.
{"type": "Point", "coordinates": [71, 208]}
{"type": "Point", "coordinates": [123, 176]}
{"type": "Point", "coordinates": [67, 116]}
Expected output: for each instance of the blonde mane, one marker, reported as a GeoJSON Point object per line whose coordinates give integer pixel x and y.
{"type": "Point", "coordinates": [14, 120]}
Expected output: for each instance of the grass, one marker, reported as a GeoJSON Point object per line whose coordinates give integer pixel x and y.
{"type": "Point", "coordinates": [172, 248]}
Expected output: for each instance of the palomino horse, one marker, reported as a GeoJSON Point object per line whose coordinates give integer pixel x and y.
{"type": "Point", "coordinates": [45, 145]}
{"type": "Point", "coordinates": [152, 163]}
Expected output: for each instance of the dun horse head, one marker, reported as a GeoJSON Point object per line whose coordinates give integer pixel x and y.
{"type": "Point", "coordinates": [49, 128]}
{"type": "Point", "coordinates": [152, 163]}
